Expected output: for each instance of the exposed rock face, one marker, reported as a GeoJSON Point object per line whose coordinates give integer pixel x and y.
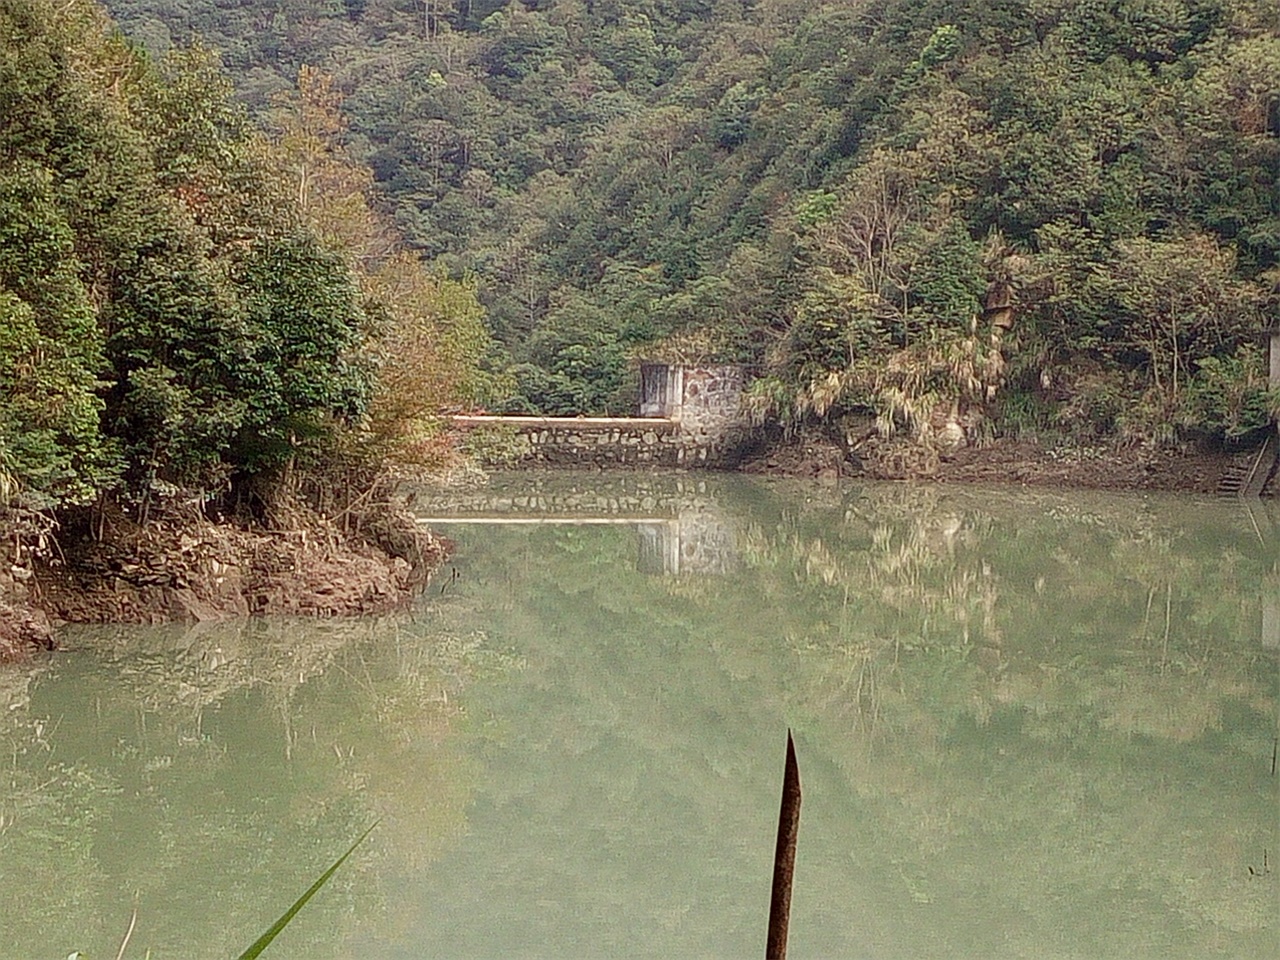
{"type": "Point", "coordinates": [950, 438]}
{"type": "Point", "coordinates": [22, 629]}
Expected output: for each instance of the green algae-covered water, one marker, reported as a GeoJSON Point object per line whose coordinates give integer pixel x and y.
{"type": "Point", "coordinates": [1029, 725]}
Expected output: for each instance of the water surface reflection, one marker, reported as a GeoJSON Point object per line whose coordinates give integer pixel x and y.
{"type": "Point", "coordinates": [1029, 725]}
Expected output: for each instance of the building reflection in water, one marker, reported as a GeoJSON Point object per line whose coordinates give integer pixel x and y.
{"type": "Point", "coordinates": [696, 543]}
{"type": "Point", "coordinates": [658, 546]}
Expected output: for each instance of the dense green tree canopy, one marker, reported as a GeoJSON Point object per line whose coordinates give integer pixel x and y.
{"type": "Point", "coordinates": [184, 301]}
{"type": "Point", "coordinates": [954, 209]}
{"type": "Point", "coordinates": [811, 186]}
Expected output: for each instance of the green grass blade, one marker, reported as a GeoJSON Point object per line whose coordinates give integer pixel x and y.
{"type": "Point", "coordinates": [265, 940]}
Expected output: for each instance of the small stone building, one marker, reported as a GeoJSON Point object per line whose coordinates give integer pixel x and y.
{"type": "Point", "coordinates": [704, 399]}
{"type": "Point", "coordinates": [705, 394]}
{"type": "Point", "coordinates": [661, 389]}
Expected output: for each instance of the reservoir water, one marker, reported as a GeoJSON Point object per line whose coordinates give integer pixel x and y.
{"type": "Point", "coordinates": [1029, 724]}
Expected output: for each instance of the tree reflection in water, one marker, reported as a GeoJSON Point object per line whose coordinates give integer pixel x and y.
{"type": "Point", "coordinates": [1045, 717]}
{"type": "Point", "coordinates": [1033, 725]}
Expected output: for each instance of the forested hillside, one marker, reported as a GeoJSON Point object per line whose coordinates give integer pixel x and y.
{"type": "Point", "coordinates": [186, 304]}
{"type": "Point", "coordinates": [990, 215]}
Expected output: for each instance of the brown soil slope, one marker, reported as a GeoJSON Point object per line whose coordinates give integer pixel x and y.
{"type": "Point", "coordinates": [193, 569]}
{"type": "Point", "coordinates": [185, 570]}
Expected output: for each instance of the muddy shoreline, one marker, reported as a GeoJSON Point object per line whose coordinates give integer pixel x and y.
{"type": "Point", "coordinates": [1190, 469]}
{"type": "Point", "coordinates": [192, 569]}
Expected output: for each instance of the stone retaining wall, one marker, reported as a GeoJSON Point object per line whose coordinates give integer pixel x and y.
{"type": "Point", "coordinates": [692, 416]}
{"type": "Point", "coordinates": [613, 441]}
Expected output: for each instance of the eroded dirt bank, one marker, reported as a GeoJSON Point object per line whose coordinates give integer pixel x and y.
{"type": "Point", "coordinates": [23, 629]}
{"type": "Point", "coordinates": [115, 570]}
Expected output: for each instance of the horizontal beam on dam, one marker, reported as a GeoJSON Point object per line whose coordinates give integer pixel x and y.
{"type": "Point", "coordinates": [506, 518]}
{"type": "Point", "coordinates": [512, 420]}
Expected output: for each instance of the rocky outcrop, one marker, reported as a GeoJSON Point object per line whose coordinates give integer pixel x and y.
{"type": "Point", "coordinates": [22, 630]}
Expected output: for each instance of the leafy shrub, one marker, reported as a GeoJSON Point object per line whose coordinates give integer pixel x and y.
{"type": "Point", "coordinates": [496, 445]}
{"type": "Point", "coordinates": [1228, 396]}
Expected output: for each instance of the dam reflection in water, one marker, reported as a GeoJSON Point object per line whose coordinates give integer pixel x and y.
{"type": "Point", "coordinates": [679, 530]}
{"type": "Point", "coordinates": [1030, 724]}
